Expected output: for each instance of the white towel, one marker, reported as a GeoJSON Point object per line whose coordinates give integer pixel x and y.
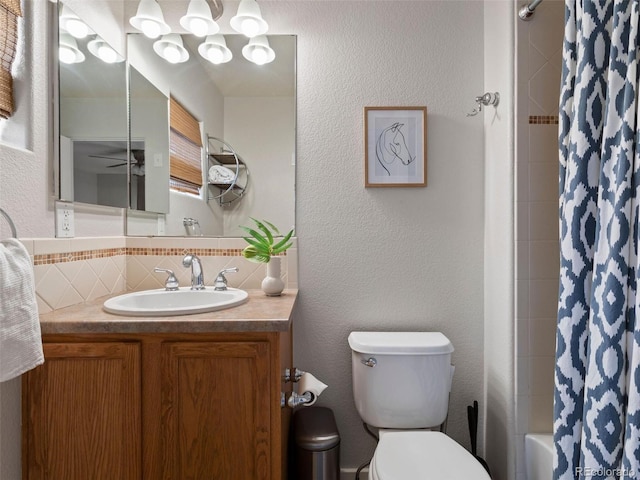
{"type": "Point", "coordinates": [220, 174]}
{"type": "Point", "coordinates": [20, 339]}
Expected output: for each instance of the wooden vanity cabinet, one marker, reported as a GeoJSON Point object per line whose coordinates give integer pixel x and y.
{"type": "Point", "coordinates": [81, 412]}
{"type": "Point", "coordinates": [157, 406]}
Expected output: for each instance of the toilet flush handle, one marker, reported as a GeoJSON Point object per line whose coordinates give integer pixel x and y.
{"type": "Point", "coordinates": [369, 362]}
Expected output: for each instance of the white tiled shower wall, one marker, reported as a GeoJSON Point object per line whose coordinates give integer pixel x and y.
{"type": "Point", "coordinates": [71, 271]}
{"type": "Point", "coordinates": [539, 62]}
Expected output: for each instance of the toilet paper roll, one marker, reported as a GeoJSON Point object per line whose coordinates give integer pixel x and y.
{"type": "Point", "coordinates": [309, 383]}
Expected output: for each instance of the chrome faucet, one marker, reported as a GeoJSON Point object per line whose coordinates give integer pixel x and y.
{"type": "Point", "coordinates": [221, 281]}
{"type": "Point", "coordinates": [197, 275]}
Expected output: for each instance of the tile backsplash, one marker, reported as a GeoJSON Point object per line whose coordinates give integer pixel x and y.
{"type": "Point", "coordinates": [76, 270]}
{"type": "Point", "coordinates": [539, 66]}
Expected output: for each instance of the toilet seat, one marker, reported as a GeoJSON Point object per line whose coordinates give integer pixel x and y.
{"type": "Point", "coordinates": [423, 455]}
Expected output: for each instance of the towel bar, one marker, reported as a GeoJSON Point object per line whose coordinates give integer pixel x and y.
{"type": "Point", "coordinates": [10, 222]}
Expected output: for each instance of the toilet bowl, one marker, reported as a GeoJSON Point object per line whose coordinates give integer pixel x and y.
{"type": "Point", "coordinates": [401, 383]}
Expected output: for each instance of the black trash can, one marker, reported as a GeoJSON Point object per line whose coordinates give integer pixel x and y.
{"type": "Point", "coordinates": [317, 444]}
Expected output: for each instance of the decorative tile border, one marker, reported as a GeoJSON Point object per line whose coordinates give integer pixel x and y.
{"type": "Point", "coordinates": [51, 258]}
{"type": "Point", "coordinates": [543, 119]}
{"type": "Point", "coordinates": [201, 252]}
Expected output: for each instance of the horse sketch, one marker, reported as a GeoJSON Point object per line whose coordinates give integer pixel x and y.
{"type": "Point", "coordinates": [391, 146]}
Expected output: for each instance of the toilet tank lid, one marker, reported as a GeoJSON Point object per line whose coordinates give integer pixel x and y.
{"type": "Point", "coordinates": [400, 343]}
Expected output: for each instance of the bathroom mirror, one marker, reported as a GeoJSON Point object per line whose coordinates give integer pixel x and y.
{"type": "Point", "coordinates": [97, 164]}
{"type": "Point", "coordinates": [252, 108]}
{"type": "Point", "coordinates": [254, 112]}
{"type": "Point", "coordinates": [92, 116]}
{"type": "Point", "coordinates": [149, 136]}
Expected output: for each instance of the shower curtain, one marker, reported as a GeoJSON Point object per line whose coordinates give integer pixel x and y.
{"type": "Point", "coordinates": [597, 376]}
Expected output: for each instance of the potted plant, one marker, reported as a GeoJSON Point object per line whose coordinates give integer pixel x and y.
{"type": "Point", "coordinates": [265, 243]}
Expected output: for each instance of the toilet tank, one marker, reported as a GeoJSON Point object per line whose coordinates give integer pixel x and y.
{"type": "Point", "coordinates": [401, 379]}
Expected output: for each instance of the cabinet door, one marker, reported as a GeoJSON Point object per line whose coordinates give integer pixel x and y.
{"type": "Point", "coordinates": [216, 411]}
{"type": "Point", "coordinates": [81, 412]}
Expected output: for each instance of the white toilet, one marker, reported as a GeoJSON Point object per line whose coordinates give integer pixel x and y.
{"type": "Point", "coordinates": [401, 383]}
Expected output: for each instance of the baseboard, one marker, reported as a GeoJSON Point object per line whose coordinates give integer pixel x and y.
{"type": "Point", "coordinates": [350, 473]}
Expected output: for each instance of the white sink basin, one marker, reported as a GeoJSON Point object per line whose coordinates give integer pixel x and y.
{"type": "Point", "coordinates": [155, 303]}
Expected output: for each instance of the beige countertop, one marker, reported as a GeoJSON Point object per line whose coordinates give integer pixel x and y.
{"type": "Point", "coordinates": [259, 314]}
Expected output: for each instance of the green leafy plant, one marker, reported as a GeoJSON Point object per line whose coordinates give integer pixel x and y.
{"type": "Point", "coordinates": [264, 241]}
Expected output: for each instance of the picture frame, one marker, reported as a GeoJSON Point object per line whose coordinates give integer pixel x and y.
{"type": "Point", "coordinates": [395, 146]}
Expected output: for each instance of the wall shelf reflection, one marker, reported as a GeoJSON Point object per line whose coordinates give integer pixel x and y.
{"type": "Point", "coordinates": [231, 187]}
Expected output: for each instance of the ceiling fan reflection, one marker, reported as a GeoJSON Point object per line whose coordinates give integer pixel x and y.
{"type": "Point", "coordinates": [137, 161]}
{"type": "Point", "coordinates": [136, 154]}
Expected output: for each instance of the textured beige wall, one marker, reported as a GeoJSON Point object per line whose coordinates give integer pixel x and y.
{"type": "Point", "coordinates": [24, 172]}
{"type": "Point", "coordinates": [392, 258]}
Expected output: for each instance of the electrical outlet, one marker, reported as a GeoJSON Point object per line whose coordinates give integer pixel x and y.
{"type": "Point", "coordinates": [64, 220]}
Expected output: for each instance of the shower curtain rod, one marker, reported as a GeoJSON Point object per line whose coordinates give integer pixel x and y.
{"type": "Point", "coordinates": [526, 11]}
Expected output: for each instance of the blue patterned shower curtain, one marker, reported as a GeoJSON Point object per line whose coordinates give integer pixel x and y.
{"type": "Point", "coordinates": [597, 376]}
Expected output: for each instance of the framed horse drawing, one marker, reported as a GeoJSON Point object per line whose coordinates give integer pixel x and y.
{"type": "Point", "coordinates": [395, 141]}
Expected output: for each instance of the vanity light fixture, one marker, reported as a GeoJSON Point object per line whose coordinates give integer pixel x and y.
{"type": "Point", "coordinates": [68, 51]}
{"type": "Point", "coordinates": [149, 19]}
{"type": "Point", "coordinates": [215, 49]}
{"type": "Point", "coordinates": [248, 20]}
{"type": "Point", "coordinates": [101, 49]}
{"type": "Point", "coordinates": [72, 24]}
{"type": "Point", "coordinates": [258, 51]}
{"type": "Point", "coordinates": [199, 20]}
{"type": "Point", "coordinates": [171, 48]}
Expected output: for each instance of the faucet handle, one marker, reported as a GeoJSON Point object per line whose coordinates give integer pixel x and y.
{"type": "Point", "coordinates": [171, 283]}
{"type": "Point", "coordinates": [221, 281]}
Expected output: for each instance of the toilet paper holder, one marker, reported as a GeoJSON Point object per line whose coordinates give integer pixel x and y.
{"type": "Point", "coordinates": [312, 388]}
{"type": "Point", "coordinates": [295, 399]}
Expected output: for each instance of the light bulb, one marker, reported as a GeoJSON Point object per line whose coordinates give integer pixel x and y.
{"type": "Point", "coordinates": [107, 54]}
{"type": "Point", "coordinates": [67, 55]}
{"type": "Point", "coordinates": [76, 27]}
{"type": "Point", "coordinates": [198, 26]}
{"type": "Point", "coordinates": [149, 19]}
{"type": "Point", "coordinates": [68, 49]}
{"type": "Point", "coordinates": [171, 53]}
{"type": "Point", "coordinates": [170, 48]}
{"type": "Point", "coordinates": [150, 28]}
{"type": "Point", "coordinates": [250, 27]}
{"type": "Point", "coordinates": [214, 49]}
{"type": "Point", "coordinates": [248, 20]}
{"type": "Point", "coordinates": [259, 56]}
{"type": "Point", "coordinates": [99, 48]}
{"type": "Point", "coordinates": [258, 50]}
{"type": "Point", "coordinates": [215, 55]}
